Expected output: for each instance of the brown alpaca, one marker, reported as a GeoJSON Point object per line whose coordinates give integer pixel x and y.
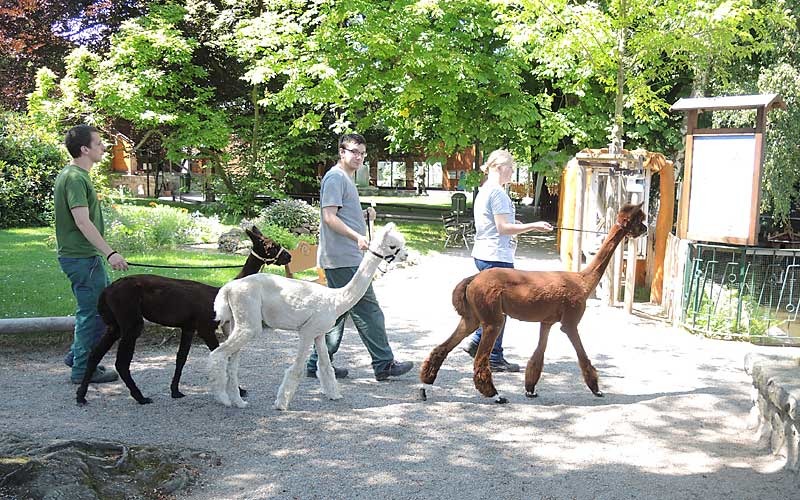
{"type": "Point", "coordinates": [546, 297]}
{"type": "Point", "coordinates": [188, 305]}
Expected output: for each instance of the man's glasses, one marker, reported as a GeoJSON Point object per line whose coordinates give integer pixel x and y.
{"type": "Point", "coordinates": [356, 152]}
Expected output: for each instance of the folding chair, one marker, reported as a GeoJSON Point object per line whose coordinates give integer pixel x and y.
{"type": "Point", "coordinates": [455, 231]}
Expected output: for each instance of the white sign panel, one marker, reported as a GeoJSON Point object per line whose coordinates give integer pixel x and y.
{"type": "Point", "coordinates": [720, 202]}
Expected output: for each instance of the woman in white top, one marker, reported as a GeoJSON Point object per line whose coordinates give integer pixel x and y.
{"type": "Point", "coordinates": [495, 230]}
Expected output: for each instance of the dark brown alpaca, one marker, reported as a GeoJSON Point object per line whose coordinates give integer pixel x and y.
{"type": "Point", "coordinates": [536, 296]}
{"type": "Point", "coordinates": [188, 305]}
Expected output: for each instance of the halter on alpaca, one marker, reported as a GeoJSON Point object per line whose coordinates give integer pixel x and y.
{"type": "Point", "coordinates": [536, 296]}
{"type": "Point", "coordinates": [289, 304]}
{"type": "Point", "coordinates": [125, 304]}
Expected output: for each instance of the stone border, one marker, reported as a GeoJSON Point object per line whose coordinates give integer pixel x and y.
{"type": "Point", "coordinates": [776, 403]}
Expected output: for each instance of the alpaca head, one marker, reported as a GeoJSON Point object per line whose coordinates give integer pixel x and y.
{"type": "Point", "coordinates": [389, 244]}
{"type": "Point", "coordinates": [266, 249]}
{"type": "Point", "coordinates": [631, 218]}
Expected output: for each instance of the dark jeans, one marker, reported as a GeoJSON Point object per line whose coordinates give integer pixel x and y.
{"type": "Point", "coordinates": [368, 318]}
{"type": "Point", "coordinates": [497, 350]}
{"type": "Point", "coordinates": [88, 277]}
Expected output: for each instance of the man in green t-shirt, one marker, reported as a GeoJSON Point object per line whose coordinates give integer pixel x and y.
{"type": "Point", "coordinates": [82, 248]}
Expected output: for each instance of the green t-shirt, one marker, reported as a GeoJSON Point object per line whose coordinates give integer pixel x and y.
{"type": "Point", "coordinates": [73, 188]}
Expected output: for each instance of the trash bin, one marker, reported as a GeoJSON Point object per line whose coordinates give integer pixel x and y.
{"type": "Point", "coordinates": [458, 203]}
{"type": "Point", "coordinates": [186, 182]}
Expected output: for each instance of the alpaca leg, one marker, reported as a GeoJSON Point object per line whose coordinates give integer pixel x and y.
{"type": "Point", "coordinates": [588, 371]}
{"type": "Point", "coordinates": [482, 374]}
{"type": "Point", "coordinates": [535, 364]}
{"type": "Point", "coordinates": [100, 350]}
{"type": "Point", "coordinates": [432, 364]}
{"type": "Point", "coordinates": [125, 349]}
{"type": "Point", "coordinates": [326, 375]}
{"type": "Point", "coordinates": [232, 388]}
{"type": "Point", "coordinates": [293, 374]}
{"type": "Point", "coordinates": [218, 373]}
{"type": "Point", "coordinates": [210, 338]}
{"type": "Point", "coordinates": [180, 361]}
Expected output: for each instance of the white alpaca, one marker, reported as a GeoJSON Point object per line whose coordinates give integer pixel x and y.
{"type": "Point", "coordinates": [288, 304]}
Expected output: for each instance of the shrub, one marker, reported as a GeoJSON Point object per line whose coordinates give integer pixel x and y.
{"type": "Point", "coordinates": [29, 164]}
{"type": "Point", "coordinates": [136, 229]}
{"type": "Point", "coordinates": [296, 216]}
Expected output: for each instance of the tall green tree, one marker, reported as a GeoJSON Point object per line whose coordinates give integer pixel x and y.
{"type": "Point", "coordinates": [36, 33]}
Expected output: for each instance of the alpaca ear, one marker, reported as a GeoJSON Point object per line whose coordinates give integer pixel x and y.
{"type": "Point", "coordinates": [390, 227]}
{"type": "Point", "coordinates": [255, 230]}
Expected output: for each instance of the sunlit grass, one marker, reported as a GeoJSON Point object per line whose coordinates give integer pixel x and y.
{"type": "Point", "coordinates": [422, 237]}
{"type": "Point", "coordinates": [33, 285]}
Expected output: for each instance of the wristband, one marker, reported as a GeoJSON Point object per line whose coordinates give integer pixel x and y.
{"type": "Point", "coordinates": [109, 255]}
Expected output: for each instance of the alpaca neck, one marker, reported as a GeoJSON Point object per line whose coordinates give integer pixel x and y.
{"type": "Point", "coordinates": [594, 271]}
{"type": "Point", "coordinates": [352, 292]}
{"type": "Point", "coordinates": [251, 266]}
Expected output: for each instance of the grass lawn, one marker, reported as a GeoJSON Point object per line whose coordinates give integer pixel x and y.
{"type": "Point", "coordinates": [33, 284]}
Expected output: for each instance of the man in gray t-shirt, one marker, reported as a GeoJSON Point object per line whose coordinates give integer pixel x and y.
{"type": "Point", "coordinates": [342, 242]}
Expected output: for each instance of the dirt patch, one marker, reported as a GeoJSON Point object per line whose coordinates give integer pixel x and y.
{"type": "Point", "coordinates": [88, 470]}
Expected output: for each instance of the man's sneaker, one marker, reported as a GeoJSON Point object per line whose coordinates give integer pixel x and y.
{"type": "Point", "coordinates": [503, 366]}
{"type": "Point", "coordinates": [394, 369]}
{"type": "Point", "coordinates": [339, 372]}
{"type": "Point", "coordinates": [99, 376]}
{"type": "Point", "coordinates": [471, 349]}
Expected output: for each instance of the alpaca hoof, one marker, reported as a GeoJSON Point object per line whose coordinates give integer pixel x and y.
{"type": "Point", "coordinates": [177, 394]}
{"type": "Point", "coordinates": [335, 397]}
{"type": "Point", "coordinates": [423, 395]}
{"type": "Point", "coordinates": [144, 401]}
{"type": "Point", "coordinates": [81, 401]}
{"type": "Point", "coordinates": [240, 404]}
{"type": "Point", "coordinates": [598, 393]}
{"type": "Point", "coordinates": [501, 400]}
{"type": "Point", "coordinates": [242, 392]}
{"type": "Point", "coordinates": [224, 400]}
{"type": "Point", "coordinates": [531, 394]}
{"type": "Point", "coordinates": [279, 407]}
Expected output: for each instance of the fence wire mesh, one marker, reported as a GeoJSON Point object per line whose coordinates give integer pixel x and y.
{"type": "Point", "coordinates": [743, 292]}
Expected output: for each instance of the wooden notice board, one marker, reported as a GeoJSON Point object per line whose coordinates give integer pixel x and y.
{"type": "Point", "coordinates": [725, 183]}
{"type": "Point", "coordinates": [721, 190]}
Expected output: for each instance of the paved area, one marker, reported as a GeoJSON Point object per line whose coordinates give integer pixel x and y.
{"type": "Point", "coordinates": [673, 423]}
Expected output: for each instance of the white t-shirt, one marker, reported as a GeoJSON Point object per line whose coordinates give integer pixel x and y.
{"type": "Point", "coordinates": [489, 243]}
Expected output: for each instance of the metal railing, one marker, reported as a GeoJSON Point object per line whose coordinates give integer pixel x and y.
{"type": "Point", "coordinates": [743, 293]}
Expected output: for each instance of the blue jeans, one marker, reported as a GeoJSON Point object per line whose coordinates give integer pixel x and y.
{"type": "Point", "coordinates": [497, 351]}
{"type": "Point", "coordinates": [368, 318]}
{"type": "Point", "coordinates": [88, 277]}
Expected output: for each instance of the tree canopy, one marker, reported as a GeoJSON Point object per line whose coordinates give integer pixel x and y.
{"type": "Point", "coordinates": [275, 82]}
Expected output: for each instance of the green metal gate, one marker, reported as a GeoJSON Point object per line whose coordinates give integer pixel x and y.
{"type": "Point", "coordinates": [743, 293]}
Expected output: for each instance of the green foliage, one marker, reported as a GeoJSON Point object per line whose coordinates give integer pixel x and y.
{"type": "Point", "coordinates": [139, 229]}
{"type": "Point", "coordinates": [279, 220]}
{"type": "Point", "coordinates": [782, 156]}
{"type": "Point", "coordinates": [272, 83]}
{"type": "Point", "coordinates": [290, 213]}
{"type": "Point", "coordinates": [29, 163]}
{"type": "Point", "coordinates": [472, 180]}
{"type": "Point", "coordinates": [551, 164]}
{"type": "Point", "coordinates": [283, 236]}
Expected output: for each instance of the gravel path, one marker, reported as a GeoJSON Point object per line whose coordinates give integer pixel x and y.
{"type": "Point", "coordinates": [673, 423]}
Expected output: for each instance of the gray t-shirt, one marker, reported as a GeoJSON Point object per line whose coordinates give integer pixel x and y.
{"type": "Point", "coordinates": [489, 243]}
{"type": "Point", "coordinates": [338, 190]}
